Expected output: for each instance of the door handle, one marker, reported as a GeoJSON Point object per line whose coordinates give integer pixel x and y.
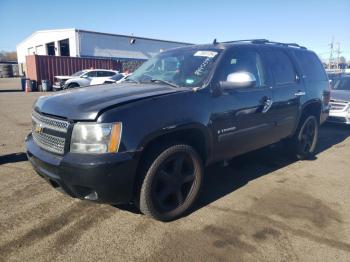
{"type": "Point", "coordinates": [267, 105]}
{"type": "Point", "coordinates": [300, 93]}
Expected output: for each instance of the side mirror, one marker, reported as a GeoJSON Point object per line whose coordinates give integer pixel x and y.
{"type": "Point", "coordinates": [239, 80]}
{"type": "Point", "coordinates": [84, 76]}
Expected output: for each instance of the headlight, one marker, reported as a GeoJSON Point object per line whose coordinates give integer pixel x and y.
{"type": "Point", "coordinates": [96, 138]}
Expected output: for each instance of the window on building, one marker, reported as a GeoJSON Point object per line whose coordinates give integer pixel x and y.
{"type": "Point", "coordinates": [50, 47]}
{"type": "Point", "coordinates": [64, 47]}
{"type": "Point", "coordinates": [31, 51]}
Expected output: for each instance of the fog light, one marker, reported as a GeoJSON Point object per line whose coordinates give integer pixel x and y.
{"type": "Point", "coordinates": [92, 196]}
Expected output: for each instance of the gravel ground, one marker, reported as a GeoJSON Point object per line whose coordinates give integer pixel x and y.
{"type": "Point", "coordinates": [261, 207]}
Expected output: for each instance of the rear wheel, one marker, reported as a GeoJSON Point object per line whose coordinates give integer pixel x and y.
{"type": "Point", "coordinates": [172, 183]}
{"type": "Point", "coordinates": [305, 139]}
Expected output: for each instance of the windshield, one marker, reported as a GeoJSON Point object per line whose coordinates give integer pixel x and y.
{"type": "Point", "coordinates": [79, 73]}
{"type": "Point", "coordinates": [186, 68]}
{"type": "Point", "coordinates": [342, 84]}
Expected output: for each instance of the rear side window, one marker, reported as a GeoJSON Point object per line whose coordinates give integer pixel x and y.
{"type": "Point", "coordinates": [310, 64]}
{"type": "Point", "coordinates": [281, 67]}
{"type": "Point", "coordinates": [105, 73]}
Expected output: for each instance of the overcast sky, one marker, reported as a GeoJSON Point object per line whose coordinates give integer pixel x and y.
{"type": "Point", "coordinates": [309, 23]}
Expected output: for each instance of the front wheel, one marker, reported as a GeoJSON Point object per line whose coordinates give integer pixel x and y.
{"type": "Point", "coordinates": [72, 85]}
{"type": "Point", "coordinates": [305, 139]}
{"type": "Point", "coordinates": [172, 183]}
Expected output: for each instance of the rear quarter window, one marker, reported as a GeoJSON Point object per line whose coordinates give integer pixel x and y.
{"type": "Point", "coordinates": [311, 66]}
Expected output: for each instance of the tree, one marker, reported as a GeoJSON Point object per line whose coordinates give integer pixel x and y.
{"type": "Point", "coordinates": [342, 60]}
{"type": "Point", "coordinates": [8, 56]}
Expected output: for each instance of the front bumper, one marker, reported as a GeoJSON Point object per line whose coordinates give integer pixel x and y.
{"type": "Point", "coordinates": [106, 178]}
{"type": "Point", "coordinates": [339, 117]}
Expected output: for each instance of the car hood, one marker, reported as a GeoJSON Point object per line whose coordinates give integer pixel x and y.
{"type": "Point", "coordinates": [63, 77]}
{"type": "Point", "coordinates": [343, 95]}
{"type": "Point", "coordinates": [87, 103]}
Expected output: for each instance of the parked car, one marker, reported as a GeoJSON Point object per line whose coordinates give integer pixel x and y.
{"type": "Point", "coordinates": [148, 140]}
{"type": "Point", "coordinates": [340, 101]}
{"type": "Point", "coordinates": [83, 78]}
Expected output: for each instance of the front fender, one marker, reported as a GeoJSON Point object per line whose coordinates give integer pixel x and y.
{"type": "Point", "coordinates": [168, 131]}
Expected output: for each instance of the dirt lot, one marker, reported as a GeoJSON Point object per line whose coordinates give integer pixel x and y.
{"type": "Point", "coordinates": [261, 207]}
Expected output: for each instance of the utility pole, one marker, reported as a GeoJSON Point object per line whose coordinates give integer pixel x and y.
{"type": "Point", "coordinates": [338, 54]}
{"type": "Point", "coordinates": [331, 54]}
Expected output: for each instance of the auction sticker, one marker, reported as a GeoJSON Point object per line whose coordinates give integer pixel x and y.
{"type": "Point", "coordinates": [206, 53]}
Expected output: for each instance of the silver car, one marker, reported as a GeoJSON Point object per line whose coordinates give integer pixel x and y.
{"type": "Point", "coordinates": [84, 78]}
{"type": "Point", "coordinates": [340, 101]}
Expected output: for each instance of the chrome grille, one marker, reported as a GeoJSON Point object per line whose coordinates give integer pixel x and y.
{"type": "Point", "coordinates": [49, 142]}
{"type": "Point", "coordinates": [51, 123]}
{"type": "Point", "coordinates": [337, 105]}
{"type": "Point", "coordinates": [49, 133]}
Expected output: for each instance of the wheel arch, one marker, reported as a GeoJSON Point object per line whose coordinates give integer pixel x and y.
{"type": "Point", "coordinates": [313, 107]}
{"type": "Point", "coordinates": [195, 135]}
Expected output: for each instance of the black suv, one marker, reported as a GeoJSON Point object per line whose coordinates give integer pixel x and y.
{"type": "Point", "coordinates": [145, 141]}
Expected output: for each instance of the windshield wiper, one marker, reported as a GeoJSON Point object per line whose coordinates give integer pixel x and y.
{"type": "Point", "coordinates": [164, 82]}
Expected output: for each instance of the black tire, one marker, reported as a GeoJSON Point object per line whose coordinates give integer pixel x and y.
{"type": "Point", "coordinates": [303, 143]}
{"type": "Point", "coordinates": [172, 182]}
{"type": "Point", "coordinates": [72, 85]}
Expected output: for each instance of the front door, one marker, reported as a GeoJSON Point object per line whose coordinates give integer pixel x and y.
{"type": "Point", "coordinates": [242, 120]}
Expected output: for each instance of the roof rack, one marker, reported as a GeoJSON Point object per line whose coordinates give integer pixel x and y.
{"type": "Point", "coordinates": [255, 41]}
{"type": "Point", "coordinates": [265, 41]}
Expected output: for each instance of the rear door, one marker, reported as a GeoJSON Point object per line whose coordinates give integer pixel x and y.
{"type": "Point", "coordinates": [101, 77]}
{"type": "Point", "coordinates": [287, 90]}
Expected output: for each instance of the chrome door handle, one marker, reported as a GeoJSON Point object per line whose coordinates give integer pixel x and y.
{"type": "Point", "coordinates": [300, 93]}
{"type": "Point", "coordinates": [267, 105]}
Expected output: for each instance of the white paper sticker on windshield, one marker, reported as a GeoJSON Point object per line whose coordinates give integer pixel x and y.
{"type": "Point", "coordinates": [206, 53]}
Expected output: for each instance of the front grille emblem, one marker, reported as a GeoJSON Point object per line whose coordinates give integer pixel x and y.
{"type": "Point", "coordinates": [38, 128]}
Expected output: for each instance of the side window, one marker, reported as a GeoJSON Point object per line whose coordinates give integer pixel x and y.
{"type": "Point", "coordinates": [91, 74]}
{"type": "Point", "coordinates": [109, 73]}
{"type": "Point", "coordinates": [105, 73]}
{"type": "Point", "coordinates": [245, 61]}
{"type": "Point", "coordinates": [310, 64]}
{"type": "Point", "coordinates": [281, 66]}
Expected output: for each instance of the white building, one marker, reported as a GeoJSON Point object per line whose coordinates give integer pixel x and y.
{"type": "Point", "coordinates": [82, 43]}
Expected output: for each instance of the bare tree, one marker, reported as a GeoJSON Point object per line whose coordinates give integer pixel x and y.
{"type": "Point", "coordinates": [8, 56]}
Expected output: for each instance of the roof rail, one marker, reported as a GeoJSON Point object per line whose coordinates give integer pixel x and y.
{"type": "Point", "coordinates": [265, 41]}
{"type": "Point", "coordinates": [286, 44]}
{"type": "Point", "coordinates": [248, 40]}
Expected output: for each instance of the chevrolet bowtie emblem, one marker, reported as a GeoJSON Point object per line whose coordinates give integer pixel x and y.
{"type": "Point", "coordinates": [38, 128]}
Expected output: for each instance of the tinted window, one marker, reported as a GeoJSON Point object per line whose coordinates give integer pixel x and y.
{"type": "Point", "coordinates": [91, 74]}
{"type": "Point", "coordinates": [104, 73]}
{"type": "Point", "coordinates": [244, 61]}
{"type": "Point", "coordinates": [281, 67]}
{"type": "Point", "coordinates": [312, 68]}
{"type": "Point", "coordinates": [343, 84]}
